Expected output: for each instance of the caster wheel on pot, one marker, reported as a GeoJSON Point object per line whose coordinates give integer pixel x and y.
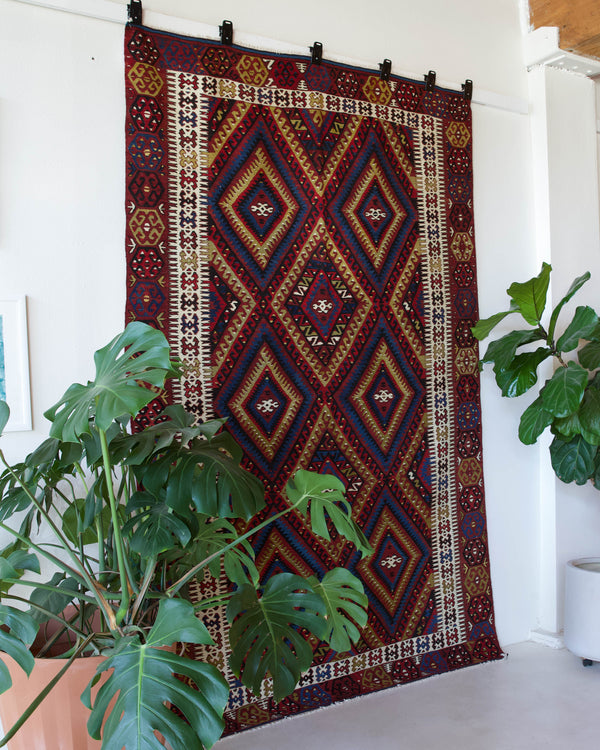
{"type": "Point", "coordinates": [587, 662]}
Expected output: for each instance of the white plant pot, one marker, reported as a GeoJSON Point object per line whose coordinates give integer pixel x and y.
{"type": "Point", "coordinates": [582, 607]}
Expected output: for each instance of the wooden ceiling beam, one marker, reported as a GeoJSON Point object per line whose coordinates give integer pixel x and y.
{"type": "Point", "coordinates": [578, 22]}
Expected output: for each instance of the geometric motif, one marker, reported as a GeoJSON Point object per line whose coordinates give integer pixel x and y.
{"type": "Point", "coordinates": [322, 302]}
{"type": "Point", "coordinates": [304, 236]}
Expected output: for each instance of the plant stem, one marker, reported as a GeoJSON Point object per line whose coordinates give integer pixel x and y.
{"type": "Point", "coordinates": [151, 567]}
{"type": "Point", "coordinates": [49, 587]}
{"type": "Point", "coordinates": [57, 532]}
{"type": "Point", "coordinates": [213, 601]}
{"type": "Point", "coordinates": [118, 539]}
{"type": "Point", "coordinates": [54, 560]}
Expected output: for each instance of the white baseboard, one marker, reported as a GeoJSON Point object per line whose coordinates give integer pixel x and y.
{"type": "Point", "coordinates": [551, 640]}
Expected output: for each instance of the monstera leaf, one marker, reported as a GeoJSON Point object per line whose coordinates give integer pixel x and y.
{"type": "Point", "coordinates": [346, 604]}
{"type": "Point", "coordinates": [17, 631]}
{"type": "Point", "coordinates": [154, 527]}
{"type": "Point", "coordinates": [264, 634]}
{"type": "Point", "coordinates": [208, 475]}
{"type": "Point", "coordinates": [177, 424]}
{"type": "Point", "coordinates": [213, 541]}
{"type": "Point", "coordinates": [144, 682]}
{"type": "Point", "coordinates": [325, 493]}
{"type": "Point", "coordinates": [123, 373]}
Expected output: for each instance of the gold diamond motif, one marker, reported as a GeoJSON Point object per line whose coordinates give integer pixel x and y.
{"type": "Point", "coordinates": [382, 359]}
{"type": "Point", "coordinates": [146, 226]}
{"type": "Point", "coordinates": [458, 134]}
{"type": "Point", "coordinates": [374, 177]}
{"type": "Point", "coordinates": [266, 365]}
{"type": "Point", "coordinates": [252, 70]}
{"type": "Point", "coordinates": [259, 166]}
{"type": "Point", "coordinates": [145, 79]}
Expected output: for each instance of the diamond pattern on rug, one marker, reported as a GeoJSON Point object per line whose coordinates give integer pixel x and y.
{"type": "Point", "coordinates": [304, 235]}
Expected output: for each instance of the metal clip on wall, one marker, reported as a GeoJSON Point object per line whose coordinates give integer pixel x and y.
{"type": "Point", "coordinates": [134, 12]}
{"type": "Point", "coordinates": [386, 69]}
{"type": "Point", "coordinates": [467, 88]}
{"type": "Point", "coordinates": [317, 53]}
{"type": "Point", "coordinates": [430, 80]}
{"type": "Point", "coordinates": [226, 32]}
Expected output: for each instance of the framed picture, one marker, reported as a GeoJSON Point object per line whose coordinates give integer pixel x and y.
{"type": "Point", "coordinates": [14, 363]}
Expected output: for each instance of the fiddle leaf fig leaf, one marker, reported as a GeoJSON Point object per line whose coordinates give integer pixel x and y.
{"type": "Point", "coordinates": [530, 296]}
{"type": "Point", "coordinates": [264, 633]}
{"type": "Point", "coordinates": [17, 632]}
{"type": "Point", "coordinates": [521, 373]}
{"type": "Point", "coordinates": [567, 427]}
{"type": "Point", "coordinates": [596, 475]}
{"type": "Point", "coordinates": [534, 421]}
{"type": "Point", "coordinates": [502, 351]}
{"type": "Point", "coordinates": [346, 604]}
{"type": "Point", "coordinates": [483, 327]}
{"type": "Point", "coordinates": [573, 461]}
{"type": "Point", "coordinates": [4, 415]}
{"type": "Point", "coordinates": [563, 393]}
{"type": "Point", "coordinates": [582, 326]}
{"type": "Point", "coordinates": [126, 367]}
{"type": "Point", "coordinates": [575, 287]}
{"type": "Point", "coordinates": [589, 355]}
{"type": "Point", "coordinates": [589, 415]}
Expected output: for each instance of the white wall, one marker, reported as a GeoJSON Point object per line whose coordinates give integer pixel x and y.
{"type": "Point", "coordinates": [62, 216]}
{"type": "Point", "coordinates": [564, 120]}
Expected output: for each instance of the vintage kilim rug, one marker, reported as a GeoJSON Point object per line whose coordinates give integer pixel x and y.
{"type": "Point", "coordinates": [304, 235]}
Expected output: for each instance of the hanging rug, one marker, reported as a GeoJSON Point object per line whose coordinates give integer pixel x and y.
{"type": "Point", "coordinates": [303, 234]}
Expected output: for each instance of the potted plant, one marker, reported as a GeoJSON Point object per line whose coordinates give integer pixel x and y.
{"type": "Point", "coordinates": [128, 521]}
{"type": "Point", "coordinates": [569, 404]}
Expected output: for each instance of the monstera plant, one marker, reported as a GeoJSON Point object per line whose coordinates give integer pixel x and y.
{"type": "Point", "coordinates": [569, 400]}
{"type": "Point", "coordinates": [128, 521]}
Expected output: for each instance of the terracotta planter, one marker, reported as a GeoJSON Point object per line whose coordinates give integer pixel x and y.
{"type": "Point", "coordinates": [59, 723]}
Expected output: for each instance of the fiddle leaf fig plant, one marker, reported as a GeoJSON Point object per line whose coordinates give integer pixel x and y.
{"type": "Point", "coordinates": [569, 400]}
{"type": "Point", "coordinates": [129, 520]}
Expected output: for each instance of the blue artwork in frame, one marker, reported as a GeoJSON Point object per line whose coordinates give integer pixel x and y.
{"type": "Point", "coordinates": [14, 363]}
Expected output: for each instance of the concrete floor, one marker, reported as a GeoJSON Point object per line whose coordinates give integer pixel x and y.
{"type": "Point", "coordinates": [536, 698]}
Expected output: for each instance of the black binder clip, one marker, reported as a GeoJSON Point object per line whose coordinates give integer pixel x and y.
{"type": "Point", "coordinates": [386, 69]}
{"type": "Point", "coordinates": [134, 12]}
{"type": "Point", "coordinates": [467, 88]}
{"type": "Point", "coordinates": [317, 53]}
{"type": "Point", "coordinates": [226, 32]}
{"type": "Point", "coordinates": [430, 80]}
